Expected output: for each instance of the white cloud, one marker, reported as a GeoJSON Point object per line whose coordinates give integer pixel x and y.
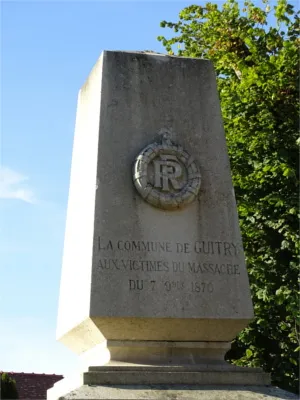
{"type": "Point", "coordinates": [13, 186]}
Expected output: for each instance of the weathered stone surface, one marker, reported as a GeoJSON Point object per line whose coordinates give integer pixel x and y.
{"type": "Point", "coordinates": [181, 392]}
{"type": "Point", "coordinates": [163, 392]}
{"type": "Point", "coordinates": [132, 271]}
{"type": "Point", "coordinates": [193, 386]}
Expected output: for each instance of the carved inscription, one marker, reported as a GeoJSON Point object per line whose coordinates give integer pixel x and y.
{"type": "Point", "coordinates": [198, 247]}
{"type": "Point", "coordinates": [169, 286]}
{"type": "Point", "coordinates": [164, 266]}
{"type": "Point", "coordinates": [194, 273]}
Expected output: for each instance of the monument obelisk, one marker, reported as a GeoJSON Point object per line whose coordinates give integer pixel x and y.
{"type": "Point", "coordinates": [154, 285]}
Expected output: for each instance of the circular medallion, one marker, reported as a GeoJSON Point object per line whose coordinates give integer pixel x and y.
{"type": "Point", "coordinates": [166, 176]}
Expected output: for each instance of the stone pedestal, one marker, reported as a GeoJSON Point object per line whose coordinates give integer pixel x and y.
{"type": "Point", "coordinates": [136, 352]}
{"type": "Point", "coordinates": [154, 284]}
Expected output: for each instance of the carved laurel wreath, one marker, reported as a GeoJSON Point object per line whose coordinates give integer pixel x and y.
{"type": "Point", "coordinates": [166, 200]}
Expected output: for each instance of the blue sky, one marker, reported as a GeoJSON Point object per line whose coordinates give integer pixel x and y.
{"type": "Point", "coordinates": [47, 51]}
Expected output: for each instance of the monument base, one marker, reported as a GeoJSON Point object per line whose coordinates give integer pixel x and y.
{"type": "Point", "coordinates": [163, 382]}
{"type": "Point", "coordinates": [174, 392]}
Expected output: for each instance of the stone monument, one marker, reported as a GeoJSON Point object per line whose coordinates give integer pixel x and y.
{"type": "Point", "coordinates": [154, 285]}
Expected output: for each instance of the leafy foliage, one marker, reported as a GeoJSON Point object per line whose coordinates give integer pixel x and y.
{"type": "Point", "coordinates": [8, 387]}
{"type": "Point", "coordinates": [257, 70]}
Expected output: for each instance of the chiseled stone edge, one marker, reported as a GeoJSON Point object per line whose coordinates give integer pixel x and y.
{"type": "Point", "coordinates": [173, 377]}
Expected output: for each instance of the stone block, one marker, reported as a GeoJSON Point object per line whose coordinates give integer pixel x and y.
{"type": "Point", "coordinates": [153, 250]}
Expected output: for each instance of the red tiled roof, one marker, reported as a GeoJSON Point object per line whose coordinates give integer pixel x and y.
{"type": "Point", "coordinates": [33, 386]}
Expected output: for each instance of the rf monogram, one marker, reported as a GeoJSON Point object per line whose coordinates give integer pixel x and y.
{"type": "Point", "coordinates": [167, 169]}
{"type": "Point", "coordinates": [165, 175]}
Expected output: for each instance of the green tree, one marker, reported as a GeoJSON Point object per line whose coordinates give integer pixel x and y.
{"type": "Point", "coordinates": [8, 387]}
{"type": "Point", "coordinates": [255, 53]}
